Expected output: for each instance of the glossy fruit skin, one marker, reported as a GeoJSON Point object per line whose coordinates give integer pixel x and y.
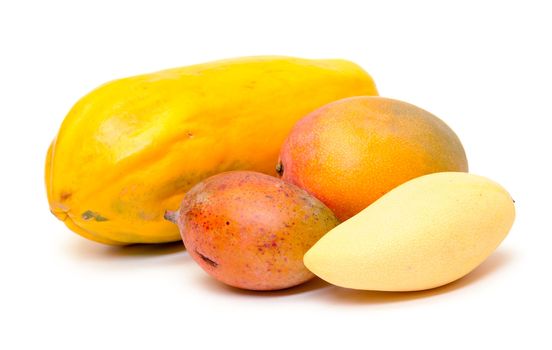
{"type": "Point", "coordinates": [352, 151]}
{"type": "Point", "coordinates": [131, 148]}
{"type": "Point", "coordinates": [427, 232]}
{"type": "Point", "coordinates": [251, 230]}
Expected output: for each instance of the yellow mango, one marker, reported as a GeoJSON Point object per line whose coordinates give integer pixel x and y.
{"type": "Point", "coordinates": [130, 149]}
{"type": "Point", "coordinates": [425, 233]}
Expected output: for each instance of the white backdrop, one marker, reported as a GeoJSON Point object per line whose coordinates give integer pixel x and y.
{"type": "Point", "coordinates": [483, 67]}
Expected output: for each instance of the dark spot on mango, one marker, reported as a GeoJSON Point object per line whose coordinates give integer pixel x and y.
{"type": "Point", "coordinates": [206, 259]}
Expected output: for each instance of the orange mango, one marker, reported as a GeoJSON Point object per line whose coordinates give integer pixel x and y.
{"type": "Point", "coordinates": [352, 151]}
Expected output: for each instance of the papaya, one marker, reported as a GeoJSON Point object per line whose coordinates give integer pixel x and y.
{"type": "Point", "coordinates": [130, 149]}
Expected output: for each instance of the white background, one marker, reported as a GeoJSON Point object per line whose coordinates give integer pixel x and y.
{"type": "Point", "coordinates": [484, 67]}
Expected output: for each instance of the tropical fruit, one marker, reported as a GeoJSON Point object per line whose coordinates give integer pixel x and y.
{"type": "Point", "coordinates": [423, 234]}
{"type": "Point", "coordinates": [251, 230]}
{"type": "Point", "coordinates": [351, 152]}
{"type": "Point", "coordinates": [131, 148]}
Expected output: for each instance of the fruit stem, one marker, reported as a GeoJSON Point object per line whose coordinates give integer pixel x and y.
{"type": "Point", "coordinates": [171, 215]}
{"type": "Point", "coordinates": [280, 168]}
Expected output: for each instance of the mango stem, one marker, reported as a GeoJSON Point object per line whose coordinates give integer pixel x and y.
{"type": "Point", "coordinates": [171, 215]}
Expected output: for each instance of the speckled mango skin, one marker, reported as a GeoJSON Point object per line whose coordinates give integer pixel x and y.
{"type": "Point", "coordinates": [428, 232]}
{"type": "Point", "coordinates": [352, 151]}
{"type": "Point", "coordinates": [250, 230]}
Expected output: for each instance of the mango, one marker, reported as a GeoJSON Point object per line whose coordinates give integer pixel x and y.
{"type": "Point", "coordinates": [132, 147]}
{"type": "Point", "coordinates": [352, 151]}
{"type": "Point", "coordinates": [250, 230]}
{"type": "Point", "coordinates": [427, 232]}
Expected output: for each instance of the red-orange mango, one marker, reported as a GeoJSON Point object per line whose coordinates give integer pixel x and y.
{"type": "Point", "coordinates": [251, 230]}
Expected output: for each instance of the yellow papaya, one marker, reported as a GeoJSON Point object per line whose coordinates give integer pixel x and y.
{"type": "Point", "coordinates": [131, 148]}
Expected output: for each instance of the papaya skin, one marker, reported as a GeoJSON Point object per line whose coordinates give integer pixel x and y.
{"type": "Point", "coordinates": [131, 148]}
